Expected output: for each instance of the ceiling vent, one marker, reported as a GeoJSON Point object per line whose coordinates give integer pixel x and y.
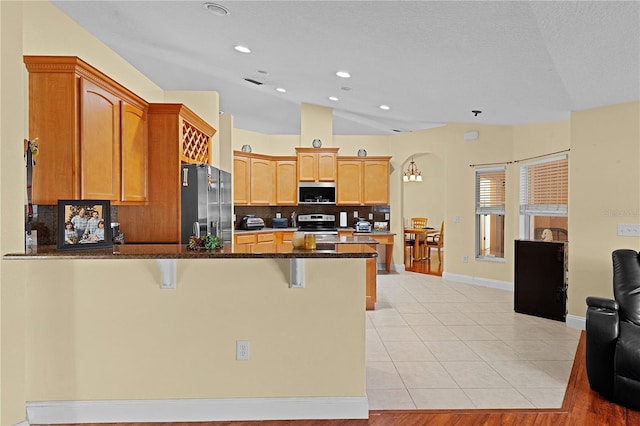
{"type": "Point", "coordinates": [256, 82]}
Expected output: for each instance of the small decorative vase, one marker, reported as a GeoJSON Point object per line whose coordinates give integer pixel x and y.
{"type": "Point", "coordinates": [362, 152]}
{"type": "Point", "coordinates": [246, 148]}
{"type": "Point", "coordinates": [317, 143]}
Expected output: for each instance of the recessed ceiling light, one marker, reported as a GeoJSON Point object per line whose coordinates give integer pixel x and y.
{"type": "Point", "coordinates": [343, 74]}
{"type": "Point", "coordinates": [333, 98]}
{"type": "Point", "coordinates": [281, 90]}
{"type": "Point", "coordinates": [385, 107]}
{"type": "Point", "coordinates": [216, 9]}
{"type": "Point", "coordinates": [243, 49]}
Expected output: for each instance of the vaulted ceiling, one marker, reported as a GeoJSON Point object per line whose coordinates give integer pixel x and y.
{"type": "Point", "coordinates": [431, 62]}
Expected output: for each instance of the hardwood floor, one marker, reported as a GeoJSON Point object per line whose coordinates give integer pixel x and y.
{"type": "Point", "coordinates": [581, 406]}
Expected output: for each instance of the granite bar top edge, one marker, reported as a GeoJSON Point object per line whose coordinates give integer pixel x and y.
{"type": "Point", "coordinates": [179, 251]}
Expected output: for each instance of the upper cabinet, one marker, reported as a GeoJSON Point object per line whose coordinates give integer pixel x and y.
{"type": "Point", "coordinates": [254, 179]}
{"type": "Point", "coordinates": [317, 164]}
{"type": "Point", "coordinates": [241, 179]}
{"type": "Point", "coordinates": [92, 133]}
{"type": "Point", "coordinates": [363, 181]}
{"type": "Point", "coordinates": [262, 182]}
{"type": "Point", "coordinates": [286, 181]}
{"type": "Point", "coordinates": [176, 136]}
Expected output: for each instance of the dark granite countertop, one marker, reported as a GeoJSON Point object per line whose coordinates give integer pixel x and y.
{"type": "Point", "coordinates": [179, 251]}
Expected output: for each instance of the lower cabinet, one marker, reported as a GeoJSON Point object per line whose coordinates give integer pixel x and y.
{"type": "Point", "coordinates": [285, 237]}
{"type": "Point", "coordinates": [245, 239]}
{"type": "Point", "coordinates": [372, 283]}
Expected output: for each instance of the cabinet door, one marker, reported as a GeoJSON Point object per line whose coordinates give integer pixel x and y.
{"type": "Point", "coordinates": [134, 154]}
{"type": "Point", "coordinates": [376, 182]}
{"type": "Point", "coordinates": [262, 177]}
{"type": "Point", "coordinates": [53, 113]}
{"type": "Point", "coordinates": [241, 180]}
{"type": "Point", "coordinates": [245, 239]}
{"type": "Point", "coordinates": [326, 167]}
{"type": "Point", "coordinates": [286, 183]}
{"type": "Point", "coordinates": [269, 238]}
{"type": "Point", "coordinates": [307, 166]}
{"type": "Point", "coordinates": [100, 142]}
{"type": "Point", "coordinates": [349, 186]}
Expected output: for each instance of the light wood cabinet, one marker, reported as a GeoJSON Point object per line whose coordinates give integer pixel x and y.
{"type": "Point", "coordinates": [266, 238]}
{"type": "Point", "coordinates": [91, 147]}
{"type": "Point", "coordinates": [349, 185]}
{"type": "Point", "coordinates": [262, 182]}
{"type": "Point", "coordinates": [317, 164]}
{"type": "Point", "coordinates": [243, 239]}
{"type": "Point", "coordinates": [241, 180]}
{"type": "Point", "coordinates": [134, 153]}
{"type": "Point", "coordinates": [345, 233]}
{"type": "Point", "coordinates": [363, 181]}
{"type": "Point", "coordinates": [286, 184]}
{"type": "Point", "coordinates": [284, 237]}
{"type": "Point", "coordinates": [254, 179]}
{"type": "Point", "coordinates": [177, 136]}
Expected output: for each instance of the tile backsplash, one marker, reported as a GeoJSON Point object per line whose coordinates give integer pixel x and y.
{"type": "Point", "coordinates": [267, 213]}
{"type": "Point", "coordinates": [45, 219]}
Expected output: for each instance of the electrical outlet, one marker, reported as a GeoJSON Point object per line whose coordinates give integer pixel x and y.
{"type": "Point", "coordinates": [456, 219]}
{"type": "Point", "coordinates": [465, 259]}
{"type": "Point", "coordinates": [370, 216]}
{"type": "Point", "coordinates": [628, 230]}
{"type": "Point", "coordinates": [355, 213]}
{"type": "Point", "coordinates": [386, 216]}
{"type": "Point", "coordinates": [242, 350]}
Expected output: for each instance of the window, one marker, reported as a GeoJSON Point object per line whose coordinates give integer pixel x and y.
{"type": "Point", "coordinates": [490, 209]}
{"type": "Point", "coordinates": [544, 199]}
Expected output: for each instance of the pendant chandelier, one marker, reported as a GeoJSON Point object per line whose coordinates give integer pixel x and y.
{"type": "Point", "coordinates": [412, 174]}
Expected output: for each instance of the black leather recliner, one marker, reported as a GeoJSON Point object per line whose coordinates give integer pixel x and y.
{"type": "Point", "coordinates": [613, 334]}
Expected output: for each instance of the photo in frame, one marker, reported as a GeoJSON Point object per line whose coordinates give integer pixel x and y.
{"type": "Point", "coordinates": [84, 224]}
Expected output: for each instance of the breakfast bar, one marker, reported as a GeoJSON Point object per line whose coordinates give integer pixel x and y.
{"type": "Point", "coordinates": [102, 334]}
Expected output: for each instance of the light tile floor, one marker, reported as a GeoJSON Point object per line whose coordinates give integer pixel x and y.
{"type": "Point", "coordinates": [434, 344]}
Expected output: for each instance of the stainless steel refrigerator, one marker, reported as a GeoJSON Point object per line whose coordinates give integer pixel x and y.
{"type": "Point", "coordinates": [206, 202]}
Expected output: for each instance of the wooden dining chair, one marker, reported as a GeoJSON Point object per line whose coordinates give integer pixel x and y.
{"type": "Point", "coordinates": [410, 240]}
{"type": "Point", "coordinates": [435, 241]}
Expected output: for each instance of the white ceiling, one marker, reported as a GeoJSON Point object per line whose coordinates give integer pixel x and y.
{"type": "Point", "coordinates": [432, 62]}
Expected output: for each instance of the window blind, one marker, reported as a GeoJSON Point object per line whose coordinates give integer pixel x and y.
{"type": "Point", "coordinates": [490, 190]}
{"type": "Point", "coordinates": [544, 187]}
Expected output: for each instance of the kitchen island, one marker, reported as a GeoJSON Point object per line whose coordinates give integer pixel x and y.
{"type": "Point", "coordinates": [102, 340]}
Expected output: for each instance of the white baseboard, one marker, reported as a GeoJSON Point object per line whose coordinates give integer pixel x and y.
{"type": "Point", "coordinates": [484, 282]}
{"type": "Point", "coordinates": [197, 410]}
{"type": "Point", "coordinates": [24, 423]}
{"type": "Point", "coordinates": [574, 321]}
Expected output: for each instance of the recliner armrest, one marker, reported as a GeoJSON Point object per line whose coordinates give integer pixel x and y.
{"type": "Point", "coordinates": [602, 303]}
{"type": "Point", "coordinates": [602, 334]}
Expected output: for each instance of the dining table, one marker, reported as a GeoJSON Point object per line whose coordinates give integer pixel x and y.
{"type": "Point", "coordinates": [418, 232]}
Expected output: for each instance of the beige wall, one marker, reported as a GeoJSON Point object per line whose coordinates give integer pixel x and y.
{"type": "Point", "coordinates": [92, 335]}
{"type": "Point", "coordinates": [604, 188]}
{"type": "Point", "coordinates": [13, 129]}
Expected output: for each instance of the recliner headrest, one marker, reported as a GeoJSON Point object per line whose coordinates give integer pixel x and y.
{"type": "Point", "coordinates": [626, 283]}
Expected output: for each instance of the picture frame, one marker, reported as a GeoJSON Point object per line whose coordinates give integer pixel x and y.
{"type": "Point", "coordinates": [84, 224]}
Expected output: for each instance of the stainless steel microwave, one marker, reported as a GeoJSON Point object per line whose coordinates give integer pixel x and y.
{"type": "Point", "coordinates": [316, 193]}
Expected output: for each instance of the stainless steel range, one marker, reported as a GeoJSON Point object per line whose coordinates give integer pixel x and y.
{"type": "Point", "coordinates": [322, 225]}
